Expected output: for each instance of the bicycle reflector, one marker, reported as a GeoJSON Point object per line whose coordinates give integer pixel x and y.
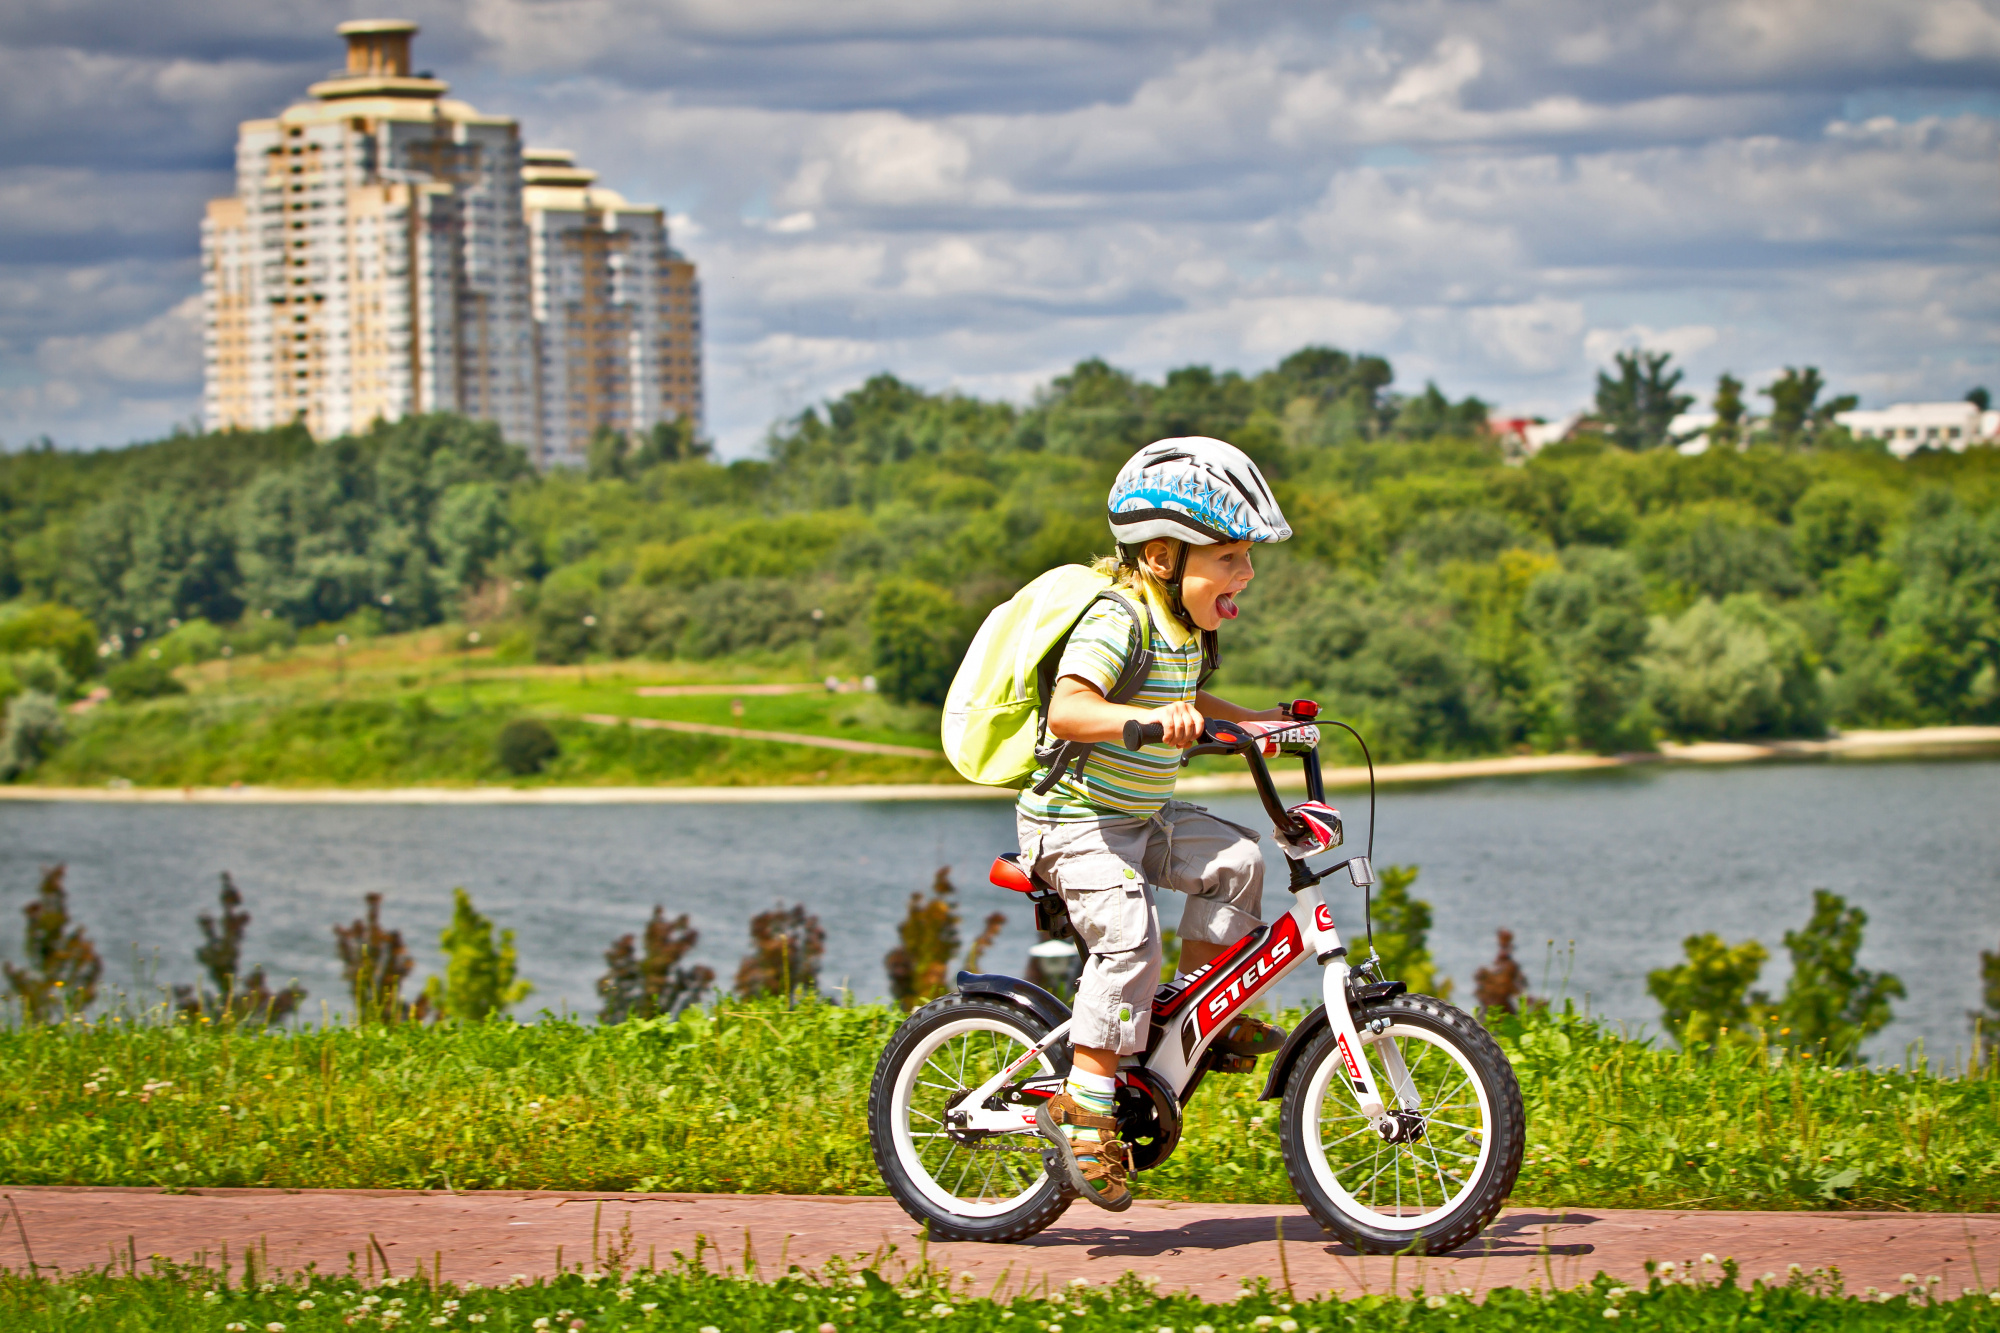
{"type": "Point", "coordinates": [1303, 709]}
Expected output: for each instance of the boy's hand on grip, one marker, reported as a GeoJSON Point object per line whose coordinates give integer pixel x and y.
{"type": "Point", "coordinates": [1178, 725]}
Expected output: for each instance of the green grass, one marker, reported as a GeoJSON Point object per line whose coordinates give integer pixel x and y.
{"type": "Point", "coordinates": [410, 739]}
{"type": "Point", "coordinates": [751, 1097]}
{"type": "Point", "coordinates": [687, 1297]}
{"type": "Point", "coordinates": [409, 710]}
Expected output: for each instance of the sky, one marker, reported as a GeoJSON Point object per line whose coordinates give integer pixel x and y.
{"type": "Point", "coordinates": [1498, 195]}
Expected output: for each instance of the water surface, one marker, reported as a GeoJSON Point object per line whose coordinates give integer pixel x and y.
{"type": "Point", "coordinates": [1624, 863]}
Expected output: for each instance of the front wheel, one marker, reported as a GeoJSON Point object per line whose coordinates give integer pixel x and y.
{"type": "Point", "coordinates": [1445, 1164]}
{"type": "Point", "coordinates": [964, 1185]}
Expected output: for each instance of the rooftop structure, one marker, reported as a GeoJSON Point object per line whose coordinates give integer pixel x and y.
{"type": "Point", "coordinates": [1908, 427]}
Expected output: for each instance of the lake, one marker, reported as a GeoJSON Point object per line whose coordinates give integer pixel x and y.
{"type": "Point", "coordinates": [1623, 863]}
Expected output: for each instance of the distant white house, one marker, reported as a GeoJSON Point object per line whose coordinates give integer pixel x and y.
{"type": "Point", "coordinates": [1908, 427]}
{"type": "Point", "coordinates": [1689, 432]}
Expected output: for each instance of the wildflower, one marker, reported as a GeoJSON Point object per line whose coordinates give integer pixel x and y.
{"type": "Point", "coordinates": [211, 1297]}
{"type": "Point", "coordinates": [649, 1307]}
{"type": "Point", "coordinates": [1908, 1279]}
{"type": "Point", "coordinates": [1204, 1328]}
{"type": "Point", "coordinates": [708, 1328]}
{"type": "Point", "coordinates": [1164, 1328]}
{"type": "Point", "coordinates": [475, 1319]}
{"type": "Point", "coordinates": [274, 1327]}
{"type": "Point", "coordinates": [371, 1299]}
{"type": "Point", "coordinates": [1288, 1326]}
{"type": "Point", "coordinates": [86, 1299]}
{"type": "Point", "coordinates": [1616, 1294]}
{"type": "Point", "coordinates": [1055, 1328]}
{"type": "Point", "coordinates": [941, 1308]}
{"type": "Point", "coordinates": [1436, 1302]}
{"type": "Point", "coordinates": [91, 1086]}
{"type": "Point", "coordinates": [543, 1322]}
{"type": "Point", "coordinates": [305, 1305]}
{"type": "Point", "coordinates": [828, 1328]}
{"type": "Point", "coordinates": [1079, 1282]}
{"type": "Point", "coordinates": [1610, 1312]}
{"type": "Point", "coordinates": [440, 1320]}
{"type": "Point", "coordinates": [624, 1293]}
{"type": "Point", "coordinates": [1262, 1321]}
{"type": "Point", "coordinates": [235, 1328]}
{"type": "Point", "coordinates": [1708, 1258]}
{"type": "Point", "coordinates": [576, 1323]}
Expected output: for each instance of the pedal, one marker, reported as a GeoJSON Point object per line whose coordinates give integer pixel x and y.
{"type": "Point", "coordinates": [1235, 1064]}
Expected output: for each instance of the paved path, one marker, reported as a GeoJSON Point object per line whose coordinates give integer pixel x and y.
{"type": "Point", "coordinates": [1206, 1248]}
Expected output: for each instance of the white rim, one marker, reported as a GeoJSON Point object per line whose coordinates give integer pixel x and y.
{"type": "Point", "coordinates": [917, 1132]}
{"type": "Point", "coordinates": [1401, 1175]}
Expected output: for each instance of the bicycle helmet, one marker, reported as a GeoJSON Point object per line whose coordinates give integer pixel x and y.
{"type": "Point", "coordinates": [1196, 490]}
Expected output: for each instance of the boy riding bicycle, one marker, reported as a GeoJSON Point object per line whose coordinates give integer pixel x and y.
{"type": "Point", "coordinates": [1185, 513]}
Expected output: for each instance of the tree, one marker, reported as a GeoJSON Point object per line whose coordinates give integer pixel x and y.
{"type": "Point", "coordinates": [1735, 669]}
{"type": "Point", "coordinates": [1592, 615]}
{"type": "Point", "coordinates": [649, 981]}
{"type": "Point", "coordinates": [1401, 930]}
{"type": "Point", "coordinates": [1979, 397]}
{"type": "Point", "coordinates": [525, 746]}
{"type": "Point", "coordinates": [1502, 987]}
{"type": "Point", "coordinates": [1796, 412]}
{"type": "Point", "coordinates": [929, 939]}
{"type": "Point", "coordinates": [917, 630]}
{"type": "Point", "coordinates": [1727, 432]}
{"type": "Point", "coordinates": [1708, 997]}
{"type": "Point", "coordinates": [786, 945]}
{"type": "Point", "coordinates": [62, 966]}
{"type": "Point", "coordinates": [375, 964]}
{"type": "Point", "coordinates": [605, 454]}
{"type": "Point", "coordinates": [479, 974]}
{"type": "Point", "coordinates": [1637, 407]}
{"type": "Point", "coordinates": [59, 629]}
{"type": "Point", "coordinates": [1830, 1004]}
{"type": "Point", "coordinates": [34, 730]}
{"type": "Point", "coordinates": [237, 997]}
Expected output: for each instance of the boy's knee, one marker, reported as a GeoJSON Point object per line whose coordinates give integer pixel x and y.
{"type": "Point", "coordinates": [1241, 868]}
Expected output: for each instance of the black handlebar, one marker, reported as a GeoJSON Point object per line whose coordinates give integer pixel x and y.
{"type": "Point", "coordinates": [1139, 733]}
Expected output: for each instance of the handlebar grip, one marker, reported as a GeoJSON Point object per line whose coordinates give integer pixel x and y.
{"type": "Point", "coordinates": [1139, 733]}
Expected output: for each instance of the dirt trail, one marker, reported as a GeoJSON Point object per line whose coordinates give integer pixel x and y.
{"type": "Point", "coordinates": [1206, 1248]}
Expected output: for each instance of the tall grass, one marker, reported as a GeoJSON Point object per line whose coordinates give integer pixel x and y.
{"type": "Point", "coordinates": [751, 1096]}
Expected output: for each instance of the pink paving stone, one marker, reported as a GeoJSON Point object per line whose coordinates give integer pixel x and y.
{"type": "Point", "coordinates": [1209, 1249]}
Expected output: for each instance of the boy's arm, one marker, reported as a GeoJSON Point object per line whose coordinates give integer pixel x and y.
{"type": "Point", "coordinates": [1078, 711]}
{"type": "Point", "coordinates": [1211, 706]}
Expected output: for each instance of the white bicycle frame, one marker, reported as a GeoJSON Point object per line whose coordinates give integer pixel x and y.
{"type": "Point", "coordinates": [1213, 995]}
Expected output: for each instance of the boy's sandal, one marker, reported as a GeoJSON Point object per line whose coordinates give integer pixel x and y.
{"type": "Point", "coordinates": [1226, 1063]}
{"type": "Point", "coordinates": [1097, 1171]}
{"type": "Point", "coordinates": [1251, 1037]}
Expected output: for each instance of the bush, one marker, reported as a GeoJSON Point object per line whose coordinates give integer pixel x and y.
{"type": "Point", "coordinates": [64, 632]}
{"type": "Point", "coordinates": [34, 728]}
{"type": "Point", "coordinates": [918, 634]}
{"type": "Point", "coordinates": [40, 669]}
{"type": "Point", "coordinates": [525, 746]}
{"type": "Point", "coordinates": [1709, 994]}
{"type": "Point", "coordinates": [478, 980]}
{"type": "Point", "coordinates": [1737, 669]}
{"type": "Point", "coordinates": [141, 678]}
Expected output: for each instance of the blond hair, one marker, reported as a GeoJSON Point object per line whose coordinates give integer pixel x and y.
{"type": "Point", "coordinates": [1135, 575]}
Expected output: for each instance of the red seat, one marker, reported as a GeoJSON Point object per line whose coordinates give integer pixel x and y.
{"type": "Point", "coordinates": [1007, 873]}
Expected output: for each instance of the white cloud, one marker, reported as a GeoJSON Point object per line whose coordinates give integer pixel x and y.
{"type": "Point", "coordinates": [1497, 194]}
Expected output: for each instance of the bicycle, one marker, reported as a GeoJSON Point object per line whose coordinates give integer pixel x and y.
{"type": "Point", "coordinates": [1420, 1168]}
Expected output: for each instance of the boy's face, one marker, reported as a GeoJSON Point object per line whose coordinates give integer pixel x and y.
{"type": "Point", "coordinates": [1214, 575]}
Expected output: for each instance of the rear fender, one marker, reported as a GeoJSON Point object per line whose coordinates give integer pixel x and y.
{"type": "Point", "coordinates": [1025, 994]}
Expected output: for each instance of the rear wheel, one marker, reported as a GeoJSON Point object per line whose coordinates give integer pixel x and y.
{"type": "Point", "coordinates": [1442, 1170]}
{"type": "Point", "coordinates": [966, 1185]}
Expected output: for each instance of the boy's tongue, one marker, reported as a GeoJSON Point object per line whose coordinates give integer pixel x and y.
{"type": "Point", "coordinates": [1225, 606]}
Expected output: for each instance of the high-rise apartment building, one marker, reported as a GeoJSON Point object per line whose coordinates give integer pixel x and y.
{"type": "Point", "coordinates": [617, 310]}
{"type": "Point", "coordinates": [376, 260]}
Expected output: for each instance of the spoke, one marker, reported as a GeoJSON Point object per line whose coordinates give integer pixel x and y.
{"type": "Point", "coordinates": [986, 1181]}
{"type": "Point", "coordinates": [942, 1087]}
{"type": "Point", "coordinates": [958, 1187]}
{"type": "Point", "coordinates": [1445, 1100]}
{"type": "Point", "coordinates": [1444, 1190]}
{"type": "Point", "coordinates": [933, 1119]}
{"type": "Point", "coordinates": [963, 1047]}
{"type": "Point", "coordinates": [1343, 1138]}
{"type": "Point", "coordinates": [1452, 1124]}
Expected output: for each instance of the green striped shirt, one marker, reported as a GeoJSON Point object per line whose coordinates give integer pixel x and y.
{"type": "Point", "coordinates": [1118, 783]}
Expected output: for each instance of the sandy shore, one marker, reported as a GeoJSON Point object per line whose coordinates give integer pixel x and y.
{"type": "Point", "coordinates": [1931, 741]}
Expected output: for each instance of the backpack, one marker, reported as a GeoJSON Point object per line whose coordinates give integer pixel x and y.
{"type": "Point", "coordinates": [996, 711]}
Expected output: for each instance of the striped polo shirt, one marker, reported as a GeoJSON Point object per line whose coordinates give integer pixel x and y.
{"type": "Point", "coordinates": [1118, 783]}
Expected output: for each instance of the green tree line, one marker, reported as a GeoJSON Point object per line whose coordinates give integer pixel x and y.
{"type": "Point", "coordinates": [1451, 599]}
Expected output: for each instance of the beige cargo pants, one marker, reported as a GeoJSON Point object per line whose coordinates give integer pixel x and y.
{"type": "Point", "coordinates": [1108, 871]}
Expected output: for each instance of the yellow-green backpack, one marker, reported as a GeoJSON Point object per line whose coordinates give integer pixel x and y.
{"type": "Point", "coordinates": [996, 711]}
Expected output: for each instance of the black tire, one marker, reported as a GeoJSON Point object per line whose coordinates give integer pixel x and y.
{"type": "Point", "coordinates": [911, 1168]}
{"type": "Point", "coordinates": [1344, 1191]}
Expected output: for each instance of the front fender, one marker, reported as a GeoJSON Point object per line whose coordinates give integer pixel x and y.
{"type": "Point", "coordinates": [1023, 993]}
{"type": "Point", "coordinates": [1309, 1027]}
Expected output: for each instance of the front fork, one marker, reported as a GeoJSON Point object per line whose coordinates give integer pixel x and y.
{"type": "Point", "coordinates": [1348, 1038]}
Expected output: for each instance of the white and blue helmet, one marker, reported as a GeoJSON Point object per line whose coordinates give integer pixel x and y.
{"type": "Point", "coordinates": [1196, 490]}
